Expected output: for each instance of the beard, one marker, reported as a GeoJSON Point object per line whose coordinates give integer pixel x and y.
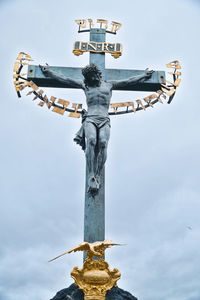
{"type": "Point", "coordinates": [93, 82]}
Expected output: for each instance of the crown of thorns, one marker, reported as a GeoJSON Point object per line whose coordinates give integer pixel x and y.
{"type": "Point", "coordinates": [91, 68]}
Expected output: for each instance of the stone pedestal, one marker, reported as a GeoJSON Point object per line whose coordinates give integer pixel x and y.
{"type": "Point", "coordinates": [74, 293]}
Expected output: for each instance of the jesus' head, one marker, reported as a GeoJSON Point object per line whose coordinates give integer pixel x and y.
{"type": "Point", "coordinates": [92, 76]}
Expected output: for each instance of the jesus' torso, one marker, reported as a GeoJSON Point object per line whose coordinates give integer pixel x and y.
{"type": "Point", "coordinates": [98, 99]}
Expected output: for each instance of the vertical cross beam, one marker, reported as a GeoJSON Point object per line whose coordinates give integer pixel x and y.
{"type": "Point", "coordinates": [94, 214]}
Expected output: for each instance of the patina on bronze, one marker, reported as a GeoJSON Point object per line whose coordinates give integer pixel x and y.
{"type": "Point", "coordinates": [95, 277]}
{"type": "Point", "coordinates": [95, 128]}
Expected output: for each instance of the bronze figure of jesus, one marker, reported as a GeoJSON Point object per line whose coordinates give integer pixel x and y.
{"type": "Point", "coordinates": [94, 133]}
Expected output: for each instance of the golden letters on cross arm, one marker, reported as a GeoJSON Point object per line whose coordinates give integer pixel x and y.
{"type": "Point", "coordinates": [61, 106]}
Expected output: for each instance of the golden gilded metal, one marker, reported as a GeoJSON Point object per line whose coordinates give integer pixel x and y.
{"type": "Point", "coordinates": [17, 75]}
{"type": "Point", "coordinates": [95, 278]}
{"type": "Point", "coordinates": [20, 56]}
{"type": "Point", "coordinates": [63, 102]}
{"type": "Point", "coordinates": [161, 93]}
{"type": "Point", "coordinates": [24, 56]}
{"type": "Point", "coordinates": [46, 100]}
{"type": "Point", "coordinates": [177, 73]}
{"type": "Point", "coordinates": [32, 85]}
{"type": "Point", "coordinates": [167, 89]}
{"type": "Point", "coordinates": [20, 85]}
{"type": "Point", "coordinates": [149, 98]}
{"type": "Point", "coordinates": [59, 110]}
{"type": "Point", "coordinates": [93, 249]}
{"type": "Point", "coordinates": [40, 92]}
{"type": "Point", "coordinates": [169, 92]}
{"type": "Point", "coordinates": [81, 23]}
{"type": "Point", "coordinates": [115, 49]}
{"type": "Point", "coordinates": [139, 102]}
{"type": "Point", "coordinates": [77, 52]}
{"type": "Point", "coordinates": [41, 103]}
{"type": "Point", "coordinates": [101, 21]}
{"type": "Point", "coordinates": [75, 114]}
{"type": "Point", "coordinates": [91, 22]}
{"type": "Point", "coordinates": [177, 82]}
{"type": "Point", "coordinates": [115, 106]}
{"type": "Point", "coordinates": [29, 93]}
{"type": "Point", "coordinates": [28, 59]}
{"type": "Point", "coordinates": [16, 67]}
{"type": "Point", "coordinates": [53, 99]}
{"type": "Point", "coordinates": [174, 64]}
{"type": "Point", "coordinates": [115, 26]}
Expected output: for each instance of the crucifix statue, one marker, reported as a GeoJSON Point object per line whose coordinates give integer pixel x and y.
{"type": "Point", "coordinates": [94, 133]}
{"type": "Point", "coordinates": [97, 82]}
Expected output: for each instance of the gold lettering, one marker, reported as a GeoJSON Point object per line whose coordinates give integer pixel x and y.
{"type": "Point", "coordinates": [32, 85]}
{"type": "Point", "coordinates": [58, 110]}
{"type": "Point", "coordinates": [20, 56]}
{"type": "Point", "coordinates": [29, 93]}
{"type": "Point", "coordinates": [149, 98]}
{"type": "Point", "coordinates": [20, 85]}
{"type": "Point", "coordinates": [46, 100]}
{"type": "Point", "coordinates": [175, 73]}
{"type": "Point", "coordinates": [170, 92]}
{"type": "Point", "coordinates": [41, 103]}
{"type": "Point", "coordinates": [177, 82]}
{"type": "Point", "coordinates": [63, 102]}
{"type": "Point", "coordinates": [75, 114]}
{"type": "Point", "coordinates": [101, 21]}
{"type": "Point", "coordinates": [106, 46]}
{"type": "Point", "coordinates": [174, 64]}
{"type": "Point", "coordinates": [53, 99]}
{"type": "Point", "coordinates": [16, 67]}
{"type": "Point", "coordinates": [40, 92]}
{"type": "Point", "coordinates": [91, 23]}
{"type": "Point", "coordinates": [17, 75]}
{"type": "Point", "coordinates": [92, 46]}
{"type": "Point", "coordinates": [115, 106]}
{"type": "Point", "coordinates": [81, 23]}
{"type": "Point", "coordinates": [115, 26]}
{"type": "Point", "coordinates": [139, 102]}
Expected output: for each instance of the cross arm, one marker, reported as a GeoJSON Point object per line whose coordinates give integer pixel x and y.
{"type": "Point", "coordinates": [66, 80]}
{"type": "Point", "coordinates": [150, 85]}
{"type": "Point", "coordinates": [123, 83]}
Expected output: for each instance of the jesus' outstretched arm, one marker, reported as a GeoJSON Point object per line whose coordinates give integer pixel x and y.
{"type": "Point", "coordinates": [131, 80]}
{"type": "Point", "coordinates": [61, 78]}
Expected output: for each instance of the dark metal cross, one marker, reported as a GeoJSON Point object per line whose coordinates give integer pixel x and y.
{"type": "Point", "coordinates": [94, 214]}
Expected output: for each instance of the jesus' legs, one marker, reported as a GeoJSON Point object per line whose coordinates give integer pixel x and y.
{"type": "Point", "coordinates": [103, 138]}
{"type": "Point", "coordinates": [91, 140]}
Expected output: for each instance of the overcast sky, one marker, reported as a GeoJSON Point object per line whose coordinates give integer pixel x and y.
{"type": "Point", "coordinates": [152, 171]}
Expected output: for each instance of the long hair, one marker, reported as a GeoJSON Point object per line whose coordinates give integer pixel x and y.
{"type": "Point", "coordinates": [87, 70]}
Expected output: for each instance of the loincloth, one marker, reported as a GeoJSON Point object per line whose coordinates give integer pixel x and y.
{"type": "Point", "coordinates": [97, 121]}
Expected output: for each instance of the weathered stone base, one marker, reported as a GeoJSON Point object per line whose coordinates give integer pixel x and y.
{"type": "Point", "coordinates": [74, 293]}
